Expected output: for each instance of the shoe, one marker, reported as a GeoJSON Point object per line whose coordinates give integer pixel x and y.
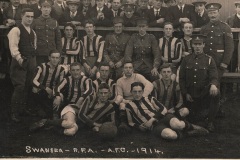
{"type": "Point", "coordinates": [15, 119]}
{"type": "Point", "coordinates": [210, 127]}
{"type": "Point", "coordinates": [197, 131]}
{"type": "Point", "coordinates": [37, 125]}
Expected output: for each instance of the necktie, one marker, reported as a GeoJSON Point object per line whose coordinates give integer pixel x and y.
{"type": "Point", "coordinates": [115, 13]}
{"type": "Point", "coordinates": [14, 12]}
{"type": "Point", "coordinates": [72, 15]}
{"type": "Point", "coordinates": [62, 7]}
{"type": "Point", "coordinates": [181, 9]}
{"type": "Point", "coordinates": [157, 13]}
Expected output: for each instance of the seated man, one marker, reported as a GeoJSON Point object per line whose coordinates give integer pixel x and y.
{"type": "Point", "coordinates": [47, 76]}
{"type": "Point", "coordinates": [168, 92]}
{"type": "Point", "coordinates": [104, 71]}
{"type": "Point", "coordinates": [201, 13]}
{"type": "Point", "coordinates": [93, 113]}
{"type": "Point", "coordinates": [72, 47]}
{"type": "Point", "coordinates": [146, 113]}
{"type": "Point", "coordinates": [129, 18]}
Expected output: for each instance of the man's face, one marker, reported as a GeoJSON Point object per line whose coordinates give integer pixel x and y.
{"type": "Point", "coordinates": [157, 4]}
{"type": "Point", "coordinates": [198, 47]}
{"type": "Point", "coordinates": [118, 28]}
{"type": "Point", "coordinates": [104, 72]}
{"type": "Point", "coordinates": [46, 10]}
{"type": "Point", "coordinates": [143, 4]}
{"type": "Point", "coordinates": [100, 3]}
{"type": "Point", "coordinates": [199, 7]}
{"type": "Point", "coordinates": [137, 92]}
{"type": "Point", "coordinates": [103, 94]}
{"type": "Point", "coordinates": [128, 69]}
{"type": "Point", "coordinates": [142, 29]}
{"type": "Point", "coordinates": [89, 28]}
{"type": "Point", "coordinates": [27, 18]}
{"type": "Point", "coordinates": [54, 59]}
{"type": "Point", "coordinates": [68, 31]}
{"type": "Point", "coordinates": [238, 9]}
{"type": "Point", "coordinates": [86, 3]}
{"type": "Point", "coordinates": [15, 3]}
{"type": "Point", "coordinates": [129, 14]}
{"type": "Point", "coordinates": [116, 4]}
{"type": "Point", "coordinates": [188, 29]}
{"type": "Point", "coordinates": [213, 15]}
{"type": "Point", "coordinates": [73, 7]}
{"type": "Point", "coordinates": [168, 30]}
{"type": "Point", "coordinates": [75, 71]}
{"type": "Point", "coordinates": [166, 73]}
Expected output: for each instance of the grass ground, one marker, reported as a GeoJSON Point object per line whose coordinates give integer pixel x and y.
{"type": "Point", "coordinates": [16, 141]}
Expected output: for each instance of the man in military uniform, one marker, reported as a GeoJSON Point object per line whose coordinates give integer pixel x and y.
{"type": "Point", "coordinates": [198, 80]}
{"type": "Point", "coordinates": [48, 32]}
{"type": "Point", "coordinates": [115, 44]}
{"type": "Point", "coordinates": [219, 41]}
{"type": "Point", "coordinates": [142, 49]}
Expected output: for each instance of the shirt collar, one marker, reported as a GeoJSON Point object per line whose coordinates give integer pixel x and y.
{"type": "Point", "coordinates": [99, 9]}
{"type": "Point", "coordinates": [74, 14]}
{"type": "Point", "coordinates": [182, 6]}
{"type": "Point", "coordinates": [238, 15]}
{"type": "Point", "coordinates": [14, 7]}
{"type": "Point", "coordinates": [201, 14]}
{"type": "Point", "coordinates": [155, 10]}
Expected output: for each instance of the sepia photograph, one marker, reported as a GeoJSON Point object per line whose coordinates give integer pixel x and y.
{"type": "Point", "coordinates": [120, 79]}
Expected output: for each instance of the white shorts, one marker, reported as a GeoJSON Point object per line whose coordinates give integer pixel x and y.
{"type": "Point", "coordinates": [69, 108]}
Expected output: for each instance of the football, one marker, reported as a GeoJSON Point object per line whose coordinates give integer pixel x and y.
{"type": "Point", "coordinates": [108, 131]}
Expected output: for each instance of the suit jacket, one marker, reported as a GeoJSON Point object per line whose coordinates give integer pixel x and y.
{"type": "Point", "coordinates": [84, 12]}
{"type": "Point", "coordinates": [8, 13]}
{"type": "Point", "coordinates": [106, 22]}
{"type": "Point", "coordinates": [201, 21]}
{"type": "Point", "coordinates": [153, 19]}
{"type": "Point", "coordinates": [58, 10]}
{"type": "Point", "coordinates": [118, 11]}
{"type": "Point", "coordinates": [67, 18]}
{"type": "Point", "coordinates": [174, 14]}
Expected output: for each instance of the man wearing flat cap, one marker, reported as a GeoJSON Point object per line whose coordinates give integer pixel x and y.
{"type": "Point", "coordinates": [198, 80]}
{"type": "Point", "coordinates": [143, 51]}
{"type": "Point", "coordinates": [219, 42]}
{"type": "Point", "coordinates": [48, 32]}
{"type": "Point", "coordinates": [115, 44]}
{"type": "Point", "coordinates": [201, 13]}
{"type": "Point", "coordinates": [129, 17]}
{"type": "Point", "coordinates": [72, 15]}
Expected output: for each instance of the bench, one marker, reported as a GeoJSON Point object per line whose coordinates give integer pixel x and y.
{"type": "Point", "coordinates": [229, 78]}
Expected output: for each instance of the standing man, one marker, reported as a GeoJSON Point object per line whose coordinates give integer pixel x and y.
{"type": "Point", "coordinates": [128, 16]}
{"type": "Point", "coordinates": [22, 43]}
{"type": "Point", "coordinates": [115, 44]}
{"type": "Point", "coordinates": [142, 10]}
{"type": "Point", "coordinates": [201, 13]}
{"type": "Point", "coordinates": [187, 39]}
{"type": "Point", "coordinates": [116, 7]}
{"type": "Point", "coordinates": [142, 49]}
{"type": "Point", "coordinates": [48, 32]}
{"type": "Point", "coordinates": [198, 79]}
{"type": "Point", "coordinates": [219, 41]}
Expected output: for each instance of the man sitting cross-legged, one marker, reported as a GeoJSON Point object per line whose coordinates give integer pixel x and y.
{"type": "Point", "coordinates": [146, 113]}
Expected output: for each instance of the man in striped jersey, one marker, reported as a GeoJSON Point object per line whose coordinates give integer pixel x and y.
{"type": "Point", "coordinates": [47, 76]}
{"type": "Point", "coordinates": [72, 47]}
{"type": "Point", "coordinates": [187, 39]}
{"type": "Point", "coordinates": [93, 112]}
{"type": "Point", "coordinates": [146, 113]}
{"type": "Point", "coordinates": [104, 71]}
{"type": "Point", "coordinates": [73, 89]}
{"type": "Point", "coordinates": [170, 47]}
{"type": "Point", "coordinates": [94, 45]}
{"type": "Point", "coordinates": [168, 92]}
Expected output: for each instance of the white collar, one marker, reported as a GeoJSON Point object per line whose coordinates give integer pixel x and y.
{"type": "Point", "coordinates": [74, 14]}
{"type": "Point", "coordinates": [99, 9]}
{"type": "Point", "coordinates": [14, 7]}
{"type": "Point", "coordinates": [156, 10]}
{"type": "Point", "coordinates": [201, 14]}
{"type": "Point", "coordinates": [238, 16]}
{"type": "Point", "coordinates": [182, 6]}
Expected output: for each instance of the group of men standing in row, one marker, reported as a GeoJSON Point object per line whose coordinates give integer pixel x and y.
{"type": "Point", "coordinates": [76, 90]}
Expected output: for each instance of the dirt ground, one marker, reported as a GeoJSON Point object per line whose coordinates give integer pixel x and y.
{"type": "Point", "coordinates": [17, 141]}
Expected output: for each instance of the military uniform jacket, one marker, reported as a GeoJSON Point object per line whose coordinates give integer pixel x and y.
{"type": "Point", "coordinates": [114, 47]}
{"type": "Point", "coordinates": [143, 49]}
{"type": "Point", "coordinates": [196, 73]}
{"type": "Point", "coordinates": [219, 42]}
{"type": "Point", "coordinates": [48, 35]}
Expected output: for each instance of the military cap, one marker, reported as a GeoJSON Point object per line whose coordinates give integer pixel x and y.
{"type": "Point", "coordinates": [199, 1]}
{"type": "Point", "coordinates": [128, 7]}
{"type": "Point", "coordinates": [198, 38]}
{"type": "Point", "coordinates": [46, 2]}
{"type": "Point", "coordinates": [142, 21]}
{"type": "Point", "coordinates": [213, 6]}
{"type": "Point", "coordinates": [237, 3]}
{"type": "Point", "coordinates": [77, 2]}
{"type": "Point", "coordinates": [118, 19]}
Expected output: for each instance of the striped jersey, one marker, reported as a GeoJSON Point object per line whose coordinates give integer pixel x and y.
{"type": "Point", "coordinates": [72, 49]}
{"type": "Point", "coordinates": [47, 77]}
{"type": "Point", "coordinates": [140, 112]}
{"type": "Point", "coordinates": [171, 49]}
{"type": "Point", "coordinates": [169, 95]}
{"type": "Point", "coordinates": [111, 83]}
{"type": "Point", "coordinates": [93, 49]}
{"type": "Point", "coordinates": [73, 89]}
{"type": "Point", "coordinates": [186, 46]}
{"type": "Point", "coordinates": [92, 111]}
